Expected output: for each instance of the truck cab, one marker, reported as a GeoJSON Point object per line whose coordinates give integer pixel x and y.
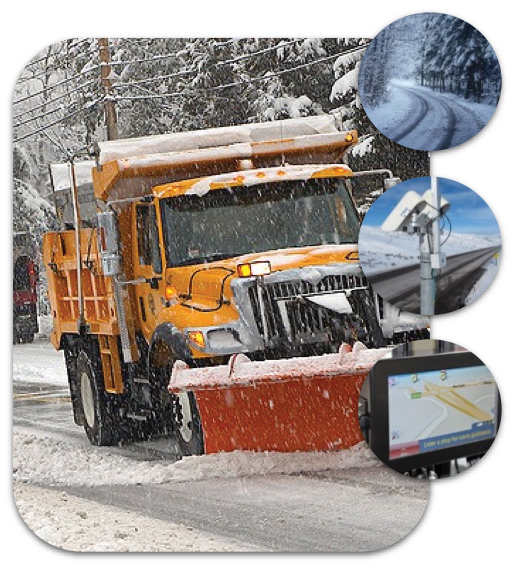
{"type": "Point", "coordinates": [263, 263]}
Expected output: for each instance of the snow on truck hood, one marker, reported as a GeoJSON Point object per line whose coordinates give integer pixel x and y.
{"type": "Point", "coordinates": [311, 264]}
{"type": "Point", "coordinates": [286, 259]}
{"type": "Point", "coordinates": [303, 256]}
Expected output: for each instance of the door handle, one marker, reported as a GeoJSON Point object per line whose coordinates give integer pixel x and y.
{"type": "Point", "coordinates": [154, 282]}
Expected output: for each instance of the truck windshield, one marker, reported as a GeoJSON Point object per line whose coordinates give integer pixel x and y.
{"type": "Point", "coordinates": [236, 221]}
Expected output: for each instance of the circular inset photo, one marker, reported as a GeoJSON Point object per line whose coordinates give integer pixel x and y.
{"type": "Point", "coordinates": [429, 409]}
{"type": "Point", "coordinates": [429, 246]}
{"type": "Point", "coordinates": [429, 81]}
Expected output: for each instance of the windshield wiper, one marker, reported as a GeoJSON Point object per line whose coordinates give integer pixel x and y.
{"type": "Point", "coordinates": [209, 258]}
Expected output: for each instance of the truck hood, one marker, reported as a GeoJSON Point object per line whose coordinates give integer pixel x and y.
{"type": "Point", "coordinates": [285, 259]}
{"type": "Point", "coordinates": [206, 284]}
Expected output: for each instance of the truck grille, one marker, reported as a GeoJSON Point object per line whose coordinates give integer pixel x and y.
{"type": "Point", "coordinates": [282, 312]}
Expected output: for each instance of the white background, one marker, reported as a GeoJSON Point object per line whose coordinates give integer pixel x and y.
{"type": "Point", "coordinates": [468, 517]}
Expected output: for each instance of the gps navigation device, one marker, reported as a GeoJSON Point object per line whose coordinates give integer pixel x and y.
{"type": "Point", "coordinates": [416, 412]}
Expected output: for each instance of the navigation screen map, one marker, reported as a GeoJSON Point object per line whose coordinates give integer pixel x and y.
{"type": "Point", "coordinates": [440, 409]}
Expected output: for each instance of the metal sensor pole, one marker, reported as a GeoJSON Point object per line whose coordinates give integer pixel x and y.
{"type": "Point", "coordinates": [427, 282]}
{"type": "Point", "coordinates": [435, 194]}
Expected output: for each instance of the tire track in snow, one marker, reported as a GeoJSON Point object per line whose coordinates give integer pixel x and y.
{"type": "Point", "coordinates": [431, 108]}
{"type": "Point", "coordinates": [419, 113]}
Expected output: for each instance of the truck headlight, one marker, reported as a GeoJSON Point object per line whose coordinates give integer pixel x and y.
{"type": "Point", "coordinates": [257, 268]}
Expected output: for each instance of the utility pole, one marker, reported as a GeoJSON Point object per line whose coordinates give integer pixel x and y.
{"type": "Point", "coordinates": [111, 118]}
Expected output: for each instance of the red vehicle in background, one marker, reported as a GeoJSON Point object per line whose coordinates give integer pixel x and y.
{"type": "Point", "coordinates": [25, 277]}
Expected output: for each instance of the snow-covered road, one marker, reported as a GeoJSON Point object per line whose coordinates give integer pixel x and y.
{"type": "Point", "coordinates": [80, 497]}
{"type": "Point", "coordinates": [421, 118]}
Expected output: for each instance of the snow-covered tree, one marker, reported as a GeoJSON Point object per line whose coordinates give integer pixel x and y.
{"type": "Point", "coordinates": [163, 85]}
{"type": "Point", "coordinates": [457, 58]}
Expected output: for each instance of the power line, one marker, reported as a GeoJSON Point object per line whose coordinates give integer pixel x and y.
{"type": "Point", "coordinates": [154, 79]}
{"type": "Point", "coordinates": [48, 113]}
{"type": "Point", "coordinates": [53, 100]}
{"type": "Point", "coordinates": [166, 56]}
{"type": "Point", "coordinates": [56, 84]}
{"type": "Point", "coordinates": [162, 96]}
{"type": "Point", "coordinates": [228, 42]}
{"type": "Point", "coordinates": [53, 54]}
{"type": "Point", "coordinates": [256, 53]}
{"type": "Point", "coordinates": [47, 126]}
{"type": "Point", "coordinates": [215, 65]}
{"type": "Point", "coordinates": [279, 73]}
{"type": "Point", "coordinates": [50, 69]}
{"type": "Point", "coordinates": [247, 81]}
{"type": "Point", "coordinates": [95, 67]}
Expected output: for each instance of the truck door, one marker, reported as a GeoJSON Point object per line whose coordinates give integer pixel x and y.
{"type": "Point", "coordinates": [147, 265]}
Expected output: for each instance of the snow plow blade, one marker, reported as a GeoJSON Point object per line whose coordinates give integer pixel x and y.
{"type": "Point", "coordinates": [300, 404]}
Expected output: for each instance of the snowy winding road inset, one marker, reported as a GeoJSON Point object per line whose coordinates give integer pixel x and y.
{"type": "Point", "coordinates": [431, 121]}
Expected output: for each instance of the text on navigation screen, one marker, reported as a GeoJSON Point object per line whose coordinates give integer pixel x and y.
{"type": "Point", "coordinates": [440, 409]}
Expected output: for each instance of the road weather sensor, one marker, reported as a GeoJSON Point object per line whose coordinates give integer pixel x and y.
{"type": "Point", "coordinates": [420, 214]}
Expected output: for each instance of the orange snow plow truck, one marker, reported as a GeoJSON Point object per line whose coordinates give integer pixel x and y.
{"type": "Point", "coordinates": [201, 245]}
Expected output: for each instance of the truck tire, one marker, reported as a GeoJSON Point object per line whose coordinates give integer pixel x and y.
{"type": "Point", "coordinates": [101, 419]}
{"type": "Point", "coordinates": [187, 423]}
{"type": "Point", "coordinates": [177, 414]}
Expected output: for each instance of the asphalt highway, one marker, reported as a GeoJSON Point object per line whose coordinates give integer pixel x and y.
{"type": "Point", "coordinates": [401, 286]}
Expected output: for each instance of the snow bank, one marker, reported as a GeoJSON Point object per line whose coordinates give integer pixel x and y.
{"type": "Point", "coordinates": [38, 362]}
{"type": "Point", "coordinates": [54, 462]}
{"type": "Point", "coordinates": [395, 111]}
{"type": "Point", "coordinates": [79, 525]}
{"type": "Point", "coordinates": [484, 282]}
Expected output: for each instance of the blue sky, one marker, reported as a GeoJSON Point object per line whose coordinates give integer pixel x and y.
{"type": "Point", "coordinates": [468, 213]}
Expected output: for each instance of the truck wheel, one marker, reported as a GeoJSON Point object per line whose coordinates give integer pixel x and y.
{"type": "Point", "coordinates": [100, 418]}
{"type": "Point", "coordinates": [176, 414]}
{"type": "Point", "coordinates": [187, 424]}
{"type": "Point", "coordinates": [27, 337]}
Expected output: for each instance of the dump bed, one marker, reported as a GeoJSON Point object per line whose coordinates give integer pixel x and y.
{"type": "Point", "coordinates": [60, 177]}
{"type": "Point", "coordinates": [132, 167]}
